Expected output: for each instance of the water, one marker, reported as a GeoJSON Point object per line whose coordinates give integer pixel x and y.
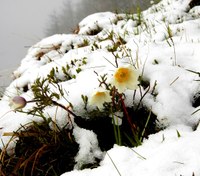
{"type": "Point", "coordinates": [5, 79]}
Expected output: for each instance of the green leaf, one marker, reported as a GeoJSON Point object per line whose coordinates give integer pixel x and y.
{"type": "Point", "coordinates": [178, 134]}
{"type": "Point", "coordinates": [78, 70]}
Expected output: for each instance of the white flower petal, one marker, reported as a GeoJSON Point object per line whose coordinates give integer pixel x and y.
{"type": "Point", "coordinates": [99, 97]}
{"type": "Point", "coordinates": [125, 77]}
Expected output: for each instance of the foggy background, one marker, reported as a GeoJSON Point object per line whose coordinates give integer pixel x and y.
{"type": "Point", "coordinates": [23, 23]}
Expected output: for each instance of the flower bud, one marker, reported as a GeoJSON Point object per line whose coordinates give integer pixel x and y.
{"type": "Point", "coordinates": [17, 102]}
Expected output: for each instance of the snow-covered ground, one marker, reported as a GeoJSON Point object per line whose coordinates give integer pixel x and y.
{"type": "Point", "coordinates": [162, 43]}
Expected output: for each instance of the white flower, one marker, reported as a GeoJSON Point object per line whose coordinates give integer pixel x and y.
{"type": "Point", "coordinates": [17, 102]}
{"type": "Point", "coordinates": [125, 77]}
{"type": "Point", "coordinates": [99, 97]}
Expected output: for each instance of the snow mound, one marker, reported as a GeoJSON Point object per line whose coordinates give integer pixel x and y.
{"type": "Point", "coordinates": [163, 44]}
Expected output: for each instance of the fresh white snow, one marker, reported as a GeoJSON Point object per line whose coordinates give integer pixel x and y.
{"type": "Point", "coordinates": [165, 48]}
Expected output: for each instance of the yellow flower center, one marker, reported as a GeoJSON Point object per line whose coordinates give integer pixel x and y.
{"type": "Point", "coordinates": [122, 75]}
{"type": "Point", "coordinates": [100, 94]}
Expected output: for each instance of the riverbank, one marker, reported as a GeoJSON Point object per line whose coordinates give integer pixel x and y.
{"type": "Point", "coordinates": [5, 79]}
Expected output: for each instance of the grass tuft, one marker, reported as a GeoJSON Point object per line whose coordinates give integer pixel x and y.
{"type": "Point", "coordinates": [41, 151]}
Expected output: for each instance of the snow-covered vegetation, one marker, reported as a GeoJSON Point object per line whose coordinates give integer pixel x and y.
{"type": "Point", "coordinates": [123, 92]}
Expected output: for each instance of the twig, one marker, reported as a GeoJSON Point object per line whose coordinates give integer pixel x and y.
{"type": "Point", "coordinates": [126, 113]}
{"type": "Point", "coordinates": [142, 97]}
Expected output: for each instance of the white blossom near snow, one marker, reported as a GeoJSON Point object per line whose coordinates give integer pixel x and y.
{"type": "Point", "coordinates": [163, 43]}
{"type": "Point", "coordinates": [125, 77]}
{"type": "Point", "coordinates": [99, 97]}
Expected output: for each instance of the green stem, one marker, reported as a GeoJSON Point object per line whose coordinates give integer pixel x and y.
{"type": "Point", "coordinates": [148, 118]}
{"type": "Point", "coordinates": [116, 129]}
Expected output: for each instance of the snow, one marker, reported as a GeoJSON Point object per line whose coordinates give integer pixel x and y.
{"type": "Point", "coordinates": [162, 154]}
{"type": "Point", "coordinates": [172, 62]}
{"type": "Point", "coordinates": [89, 149]}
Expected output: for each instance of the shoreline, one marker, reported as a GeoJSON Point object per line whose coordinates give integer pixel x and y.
{"type": "Point", "coordinates": [5, 78]}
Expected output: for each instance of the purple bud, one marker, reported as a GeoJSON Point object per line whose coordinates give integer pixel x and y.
{"type": "Point", "coordinates": [17, 102]}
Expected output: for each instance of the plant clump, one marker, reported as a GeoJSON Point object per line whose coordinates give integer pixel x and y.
{"type": "Point", "coordinates": [113, 121]}
{"type": "Point", "coordinates": [41, 151]}
{"type": "Point", "coordinates": [131, 132]}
